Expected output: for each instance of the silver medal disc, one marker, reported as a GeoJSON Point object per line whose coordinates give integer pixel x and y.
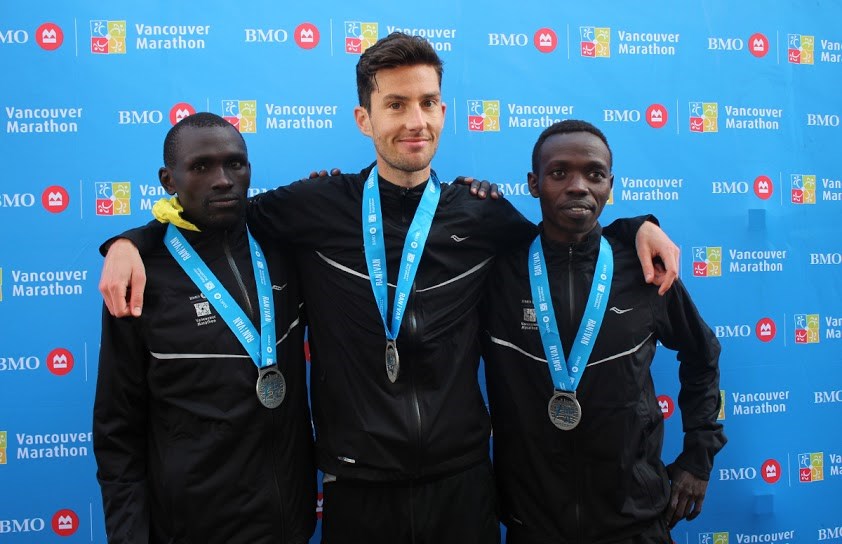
{"type": "Point", "coordinates": [393, 361]}
{"type": "Point", "coordinates": [271, 387]}
{"type": "Point", "coordinates": [564, 410]}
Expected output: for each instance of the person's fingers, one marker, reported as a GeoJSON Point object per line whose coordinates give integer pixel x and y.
{"type": "Point", "coordinates": [666, 281]}
{"type": "Point", "coordinates": [138, 285]}
{"type": "Point", "coordinates": [335, 171]}
{"type": "Point", "coordinates": [114, 297]}
{"type": "Point", "coordinates": [697, 509]}
{"type": "Point", "coordinates": [646, 261]}
{"type": "Point", "coordinates": [495, 191]}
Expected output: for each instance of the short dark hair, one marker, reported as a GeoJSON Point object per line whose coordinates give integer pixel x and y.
{"type": "Point", "coordinates": [565, 127]}
{"type": "Point", "coordinates": [395, 50]}
{"type": "Point", "coordinates": [202, 119]}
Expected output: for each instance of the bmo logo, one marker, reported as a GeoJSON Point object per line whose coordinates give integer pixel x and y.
{"type": "Point", "coordinates": [55, 199]}
{"type": "Point", "coordinates": [758, 44]}
{"type": "Point", "coordinates": [765, 330]}
{"type": "Point", "coordinates": [545, 40]}
{"type": "Point", "coordinates": [667, 406]}
{"type": "Point", "coordinates": [307, 36]}
{"type": "Point", "coordinates": [60, 361]}
{"type": "Point", "coordinates": [180, 111]}
{"type": "Point", "coordinates": [770, 471]}
{"type": "Point", "coordinates": [656, 116]}
{"type": "Point", "coordinates": [65, 522]}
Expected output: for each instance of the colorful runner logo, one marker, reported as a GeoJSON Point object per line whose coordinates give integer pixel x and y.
{"type": "Point", "coordinates": [113, 197]}
{"type": "Point", "coordinates": [806, 328]}
{"type": "Point", "coordinates": [484, 115]}
{"type": "Point", "coordinates": [707, 261]}
{"type": "Point", "coordinates": [241, 113]}
{"type": "Point", "coordinates": [704, 117]}
{"type": "Point", "coordinates": [359, 36]}
{"type": "Point", "coordinates": [810, 467]}
{"type": "Point", "coordinates": [713, 538]}
{"type": "Point", "coordinates": [595, 42]}
{"type": "Point", "coordinates": [803, 189]}
{"type": "Point", "coordinates": [3, 444]}
{"type": "Point", "coordinates": [108, 37]}
{"type": "Point", "coordinates": [801, 49]}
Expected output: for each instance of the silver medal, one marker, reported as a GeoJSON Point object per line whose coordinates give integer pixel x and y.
{"type": "Point", "coordinates": [393, 361]}
{"type": "Point", "coordinates": [271, 387]}
{"type": "Point", "coordinates": [564, 410]}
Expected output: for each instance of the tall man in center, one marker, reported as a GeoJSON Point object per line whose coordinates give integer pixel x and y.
{"type": "Point", "coordinates": [393, 265]}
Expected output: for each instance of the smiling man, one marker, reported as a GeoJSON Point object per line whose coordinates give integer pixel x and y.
{"type": "Point", "coordinates": [201, 426]}
{"type": "Point", "coordinates": [393, 264]}
{"type": "Point", "coordinates": [578, 430]}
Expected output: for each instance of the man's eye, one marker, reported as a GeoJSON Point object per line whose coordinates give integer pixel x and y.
{"type": "Point", "coordinates": [199, 167]}
{"type": "Point", "coordinates": [557, 173]}
{"type": "Point", "coordinates": [236, 164]}
{"type": "Point", "coordinates": [395, 106]}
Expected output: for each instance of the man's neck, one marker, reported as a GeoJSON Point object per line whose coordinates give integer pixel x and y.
{"type": "Point", "coordinates": [561, 236]}
{"type": "Point", "coordinates": [402, 178]}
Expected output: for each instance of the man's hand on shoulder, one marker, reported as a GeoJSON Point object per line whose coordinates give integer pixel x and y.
{"type": "Point", "coordinates": [480, 188]}
{"type": "Point", "coordinates": [123, 280]}
{"type": "Point", "coordinates": [687, 494]}
{"type": "Point", "coordinates": [658, 255]}
{"type": "Point", "coordinates": [322, 174]}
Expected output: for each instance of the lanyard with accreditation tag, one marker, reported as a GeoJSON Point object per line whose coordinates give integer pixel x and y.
{"type": "Point", "coordinates": [271, 385]}
{"type": "Point", "coordinates": [375, 258]}
{"type": "Point", "coordinates": [564, 410]}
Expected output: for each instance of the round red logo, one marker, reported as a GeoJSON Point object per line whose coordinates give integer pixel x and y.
{"type": "Point", "coordinates": [65, 522]}
{"type": "Point", "coordinates": [758, 45]}
{"type": "Point", "coordinates": [656, 116]}
{"type": "Point", "coordinates": [307, 36]}
{"type": "Point", "coordinates": [49, 36]}
{"type": "Point", "coordinates": [667, 405]}
{"type": "Point", "coordinates": [763, 187]}
{"type": "Point", "coordinates": [60, 361]}
{"type": "Point", "coordinates": [180, 111]}
{"type": "Point", "coordinates": [765, 330]}
{"type": "Point", "coordinates": [55, 199]}
{"type": "Point", "coordinates": [545, 40]}
{"type": "Point", "coordinates": [770, 470]}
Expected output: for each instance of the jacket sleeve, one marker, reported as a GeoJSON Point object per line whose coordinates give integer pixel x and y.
{"type": "Point", "coordinates": [145, 238]}
{"type": "Point", "coordinates": [506, 225]}
{"type": "Point", "coordinates": [681, 328]}
{"type": "Point", "coordinates": [625, 229]}
{"type": "Point", "coordinates": [296, 214]}
{"type": "Point", "coordinates": [120, 430]}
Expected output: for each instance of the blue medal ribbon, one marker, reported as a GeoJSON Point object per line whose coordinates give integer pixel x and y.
{"type": "Point", "coordinates": [260, 347]}
{"type": "Point", "coordinates": [566, 374]}
{"type": "Point", "coordinates": [413, 248]}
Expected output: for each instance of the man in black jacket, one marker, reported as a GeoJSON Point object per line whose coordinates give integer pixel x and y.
{"type": "Point", "coordinates": [393, 264]}
{"type": "Point", "coordinates": [201, 425]}
{"type": "Point", "coordinates": [578, 430]}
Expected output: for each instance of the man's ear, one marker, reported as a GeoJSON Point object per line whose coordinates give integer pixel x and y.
{"type": "Point", "coordinates": [166, 180]}
{"type": "Point", "coordinates": [532, 180]}
{"type": "Point", "coordinates": [611, 180]}
{"type": "Point", "coordinates": [363, 119]}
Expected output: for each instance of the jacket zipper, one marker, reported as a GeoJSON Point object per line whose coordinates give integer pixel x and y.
{"type": "Point", "coordinates": [226, 246]}
{"type": "Point", "coordinates": [275, 448]}
{"type": "Point", "coordinates": [573, 326]}
{"type": "Point", "coordinates": [412, 329]}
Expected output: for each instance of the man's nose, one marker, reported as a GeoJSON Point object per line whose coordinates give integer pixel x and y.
{"type": "Point", "coordinates": [415, 118]}
{"type": "Point", "coordinates": [221, 179]}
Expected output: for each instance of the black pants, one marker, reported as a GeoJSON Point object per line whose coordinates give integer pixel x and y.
{"type": "Point", "coordinates": [657, 533]}
{"type": "Point", "coordinates": [458, 508]}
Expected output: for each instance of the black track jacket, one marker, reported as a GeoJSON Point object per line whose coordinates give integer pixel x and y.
{"type": "Point", "coordinates": [603, 480]}
{"type": "Point", "coordinates": [185, 452]}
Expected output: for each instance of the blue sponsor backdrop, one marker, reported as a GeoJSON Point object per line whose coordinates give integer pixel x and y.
{"type": "Point", "coordinates": [724, 119]}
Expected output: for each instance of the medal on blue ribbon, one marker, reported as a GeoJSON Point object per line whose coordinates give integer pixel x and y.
{"type": "Point", "coordinates": [375, 258]}
{"type": "Point", "coordinates": [564, 410]}
{"type": "Point", "coordinates": [271, 385]}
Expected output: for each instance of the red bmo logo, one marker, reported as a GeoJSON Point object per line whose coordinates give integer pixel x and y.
{"type": "Point", "coordinates": [60, 361]}
{"type": "Point", "coordinates": [65, 522]}
{"type": "Point", "coordinates": [307, 36]}
{"type": "Point", "coordinates": [180, 111]}
{"type": "Point", "coordinates": [765, 330]}
{"type": "Point", "coordinates": [49, 36]}
{"type": "Point", "coordinates": [55, 199]}
{"type": "Point", "coordinates": [667, 406]}
{"type": "Point", "coordinates": [758, 45]}
{"type": "Point", "coordinates": [656, 116]}
{"type": "Point", "coordinates": [770, 471]}
{"type": "Point", "coordinates": [320, 501]}
{"type": "Point", "coordinates": [763, 187]}
{"type": "Point", "coordinates": [545, 40]}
